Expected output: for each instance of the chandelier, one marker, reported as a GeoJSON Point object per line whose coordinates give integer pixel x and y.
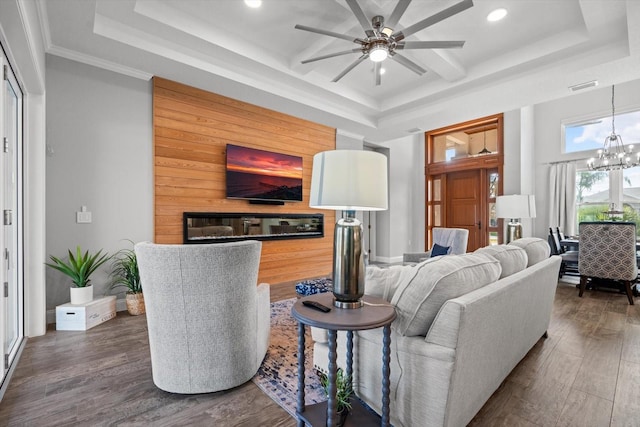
{"type": "Point", "coordinates": [613, 155]}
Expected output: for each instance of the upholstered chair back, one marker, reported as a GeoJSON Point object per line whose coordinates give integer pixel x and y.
{"type": "Point", "coordinates": [608, 250]}
{"type": "Point", "coordinates": [455, 238]}
{"type": "Point", "coordinates": [208, 320]}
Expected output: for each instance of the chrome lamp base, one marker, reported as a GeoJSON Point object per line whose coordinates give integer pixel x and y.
{"type": "Point", "coordinates": [348, 262]}
{"type": "Point", "coordinates": [514, 230]}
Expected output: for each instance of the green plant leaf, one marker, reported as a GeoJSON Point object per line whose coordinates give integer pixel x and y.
{"type": "Point", "coordinates": [79, 267]}
{"type": "Point", "coordinates": [125, 272]}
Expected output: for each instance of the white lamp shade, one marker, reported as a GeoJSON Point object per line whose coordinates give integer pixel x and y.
{"type": "Point", "coordinates": [349, 180]}
{"type": "Point", "coordinates": [516, 206]}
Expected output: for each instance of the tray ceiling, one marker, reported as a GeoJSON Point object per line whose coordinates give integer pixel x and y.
{"type": "Point", "coordinates": [533, 55]}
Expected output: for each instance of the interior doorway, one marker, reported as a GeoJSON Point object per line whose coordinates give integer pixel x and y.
{"type": "Point", "coordinates": [463, 168]}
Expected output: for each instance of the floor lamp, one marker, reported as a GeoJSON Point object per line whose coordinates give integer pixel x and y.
{"type": "Point", "coordinates": [515, 207]}
{"type": "Point", "coordinates": [350, 181]}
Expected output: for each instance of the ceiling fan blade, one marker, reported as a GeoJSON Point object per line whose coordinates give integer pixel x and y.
{"type": "Point", "coordinates": [362, 18]}
{"type": "Point", "coordinates": [408, 63]}
{"type": "Point", "coordinates": [326, 33]}
{"type": "Point", "coordinates": [397, 13]}
{"type": "Point", "coordinates": [331, 55]}
{"type": "Point", "coordinates": [350, 67]}
{"type": "Point", "coordinates": [376, 70]}
{"type": "Point", "coordinates": [430, 45]}
{"type": "Point", "coordinates": [433, 19]}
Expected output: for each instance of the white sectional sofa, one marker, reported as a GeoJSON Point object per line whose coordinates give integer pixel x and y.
{"type": "Point", "coordinates": [464, 322]}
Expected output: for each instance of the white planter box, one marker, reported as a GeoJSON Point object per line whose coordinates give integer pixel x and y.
{"type": "Point", "coordinates": [80, 317]}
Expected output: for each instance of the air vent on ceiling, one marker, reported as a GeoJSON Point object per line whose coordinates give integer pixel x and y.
{"type": "Point", "coordinates": [414, 130]}
{"type": "Point", "coordinates": [584, 85]}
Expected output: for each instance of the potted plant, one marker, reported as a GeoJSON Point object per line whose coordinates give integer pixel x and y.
{"type": "Point", "coordinates": [125, 273]}
{"type": "Point", "coordinates": [343, 394]}
{"type": "Point", "coordinates": [80, 268]}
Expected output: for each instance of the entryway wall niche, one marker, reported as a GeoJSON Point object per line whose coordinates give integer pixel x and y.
{"type": "Point", "coordinates": [464, 165]}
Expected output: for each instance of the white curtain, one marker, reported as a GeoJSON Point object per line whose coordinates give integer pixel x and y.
{"type": "Point", "coordinates": [562, 197]}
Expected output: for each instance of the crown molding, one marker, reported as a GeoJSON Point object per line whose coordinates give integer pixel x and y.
{"type": "Point", "coordinates": [97, 62]}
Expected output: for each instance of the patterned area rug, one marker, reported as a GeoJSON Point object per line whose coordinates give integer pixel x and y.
{"type": "Point", "coordinates": [278, 375]}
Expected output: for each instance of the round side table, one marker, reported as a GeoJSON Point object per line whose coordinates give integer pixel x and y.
{"type": "Point", "coordinates": [378, 315]}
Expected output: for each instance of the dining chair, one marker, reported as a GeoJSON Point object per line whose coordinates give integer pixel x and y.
{"type": "Point", "coordinates": [608, 253]}
{"type": "Point", "coordinates": [569, 264]}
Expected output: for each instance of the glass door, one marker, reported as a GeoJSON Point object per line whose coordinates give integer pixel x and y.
{"type": "Point", "coordinates": [493, 226]}
{"type": "Point", "coordinates": [12, 321]}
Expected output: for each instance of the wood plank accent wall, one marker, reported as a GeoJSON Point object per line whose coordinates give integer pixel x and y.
{"type": "Point", "coordinates": [191, 130]}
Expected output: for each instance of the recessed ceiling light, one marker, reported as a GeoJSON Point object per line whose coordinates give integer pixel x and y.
{"type": "Point", "coordinates": [382, 71]}
{"type": "Point", "coordinates": [497, 15]}
{"type": "Point", "coordinates": [253, 3]}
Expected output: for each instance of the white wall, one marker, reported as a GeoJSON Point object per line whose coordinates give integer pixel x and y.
{"type": "Point", "coordinates": [402, 228]}
{"type": "Point", "coordinates": [511, 169]}
{"type": "Point", "coordinates": [99, 155]}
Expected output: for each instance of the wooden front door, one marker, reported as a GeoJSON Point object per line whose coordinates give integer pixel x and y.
{"type": "Point", "coordinates": [464, 205]}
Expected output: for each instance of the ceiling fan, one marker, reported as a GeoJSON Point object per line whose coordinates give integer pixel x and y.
{"type": "Point", "coordinates": [383, 40]}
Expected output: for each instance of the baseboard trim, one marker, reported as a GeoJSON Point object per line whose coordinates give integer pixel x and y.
{"type": "Point", "coordinates": [121, 305]}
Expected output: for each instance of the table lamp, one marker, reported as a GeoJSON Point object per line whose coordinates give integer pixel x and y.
{"type": "Point", "coordinates": [350, 181]}
{"type": "Point", "coordinates": [514, 207]}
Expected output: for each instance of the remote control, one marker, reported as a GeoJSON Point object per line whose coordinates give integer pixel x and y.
{"type": "Point", "coordinates": [316, 306]}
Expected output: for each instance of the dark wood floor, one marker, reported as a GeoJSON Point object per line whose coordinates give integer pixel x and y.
{"type": "Point", "coordinates": [587, 373]}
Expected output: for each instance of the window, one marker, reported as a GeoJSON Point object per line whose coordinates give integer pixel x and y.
{"type": "Point", "coordinates": [590, 135]}
{"type": "Point", "coordinates": [613, 195]}
{"type": "Point", "coordinates": [592, 195]}
{"type": "Point", "coordinates": [450, 154]}
{"type": "Point", "coordinates": [492, 192]}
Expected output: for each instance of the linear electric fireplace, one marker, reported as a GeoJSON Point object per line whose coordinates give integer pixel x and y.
{"type": "Point", "coordinates": [206, 227]}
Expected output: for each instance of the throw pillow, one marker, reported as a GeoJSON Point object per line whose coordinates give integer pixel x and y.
{"type": "Point", "coordinates": [383, 282]}
{"type": "Point", "coordinates": [512, 259]}
{"type": "Point", "coordinates": [438, 250]}
{"type": "Point", "coordinates": [419, 299]}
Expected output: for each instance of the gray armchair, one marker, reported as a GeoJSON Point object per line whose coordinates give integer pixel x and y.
{"type": "Point", "coordinates": [608, 251]}
{"type": "Point", "coordinates": [454, 238]}
{"type": "Point", "coordinates": [208, 320]}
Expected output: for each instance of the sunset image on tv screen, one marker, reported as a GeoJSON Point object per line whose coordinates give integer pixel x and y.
{"type": "Point", "coordinates": [259, 174]}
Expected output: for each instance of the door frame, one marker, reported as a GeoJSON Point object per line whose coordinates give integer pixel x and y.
{"type": "Point", "coordinates": [439, 170]}
{"type": "Point", "coordinates": [13, 257]}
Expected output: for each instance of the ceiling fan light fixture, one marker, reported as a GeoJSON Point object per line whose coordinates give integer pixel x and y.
{"type": "Point", "coordinates": [381, 41]}
{"type": "Point", "coordinates": [387, 31]}
{"type": "Point", "coordinates": [378, 52]}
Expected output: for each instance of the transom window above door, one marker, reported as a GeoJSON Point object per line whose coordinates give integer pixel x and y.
{"type": "Point", "coordinates": [463, 144]}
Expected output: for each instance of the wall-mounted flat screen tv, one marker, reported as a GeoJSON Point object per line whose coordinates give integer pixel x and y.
{"type": "Point", "coordinates": [263, 175]}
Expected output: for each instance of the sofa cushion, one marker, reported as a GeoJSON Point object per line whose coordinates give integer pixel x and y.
{"type": "Point", "coordinates": [420, 296]}
{"type": "Point", "coordinates": [383, 282]}
{"type": "Point", "coordinates": [512, 258]}
{"type": "Point", "coordinates": [438, 250]}
{"type": "Point", "coordinates": [537, 249]}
